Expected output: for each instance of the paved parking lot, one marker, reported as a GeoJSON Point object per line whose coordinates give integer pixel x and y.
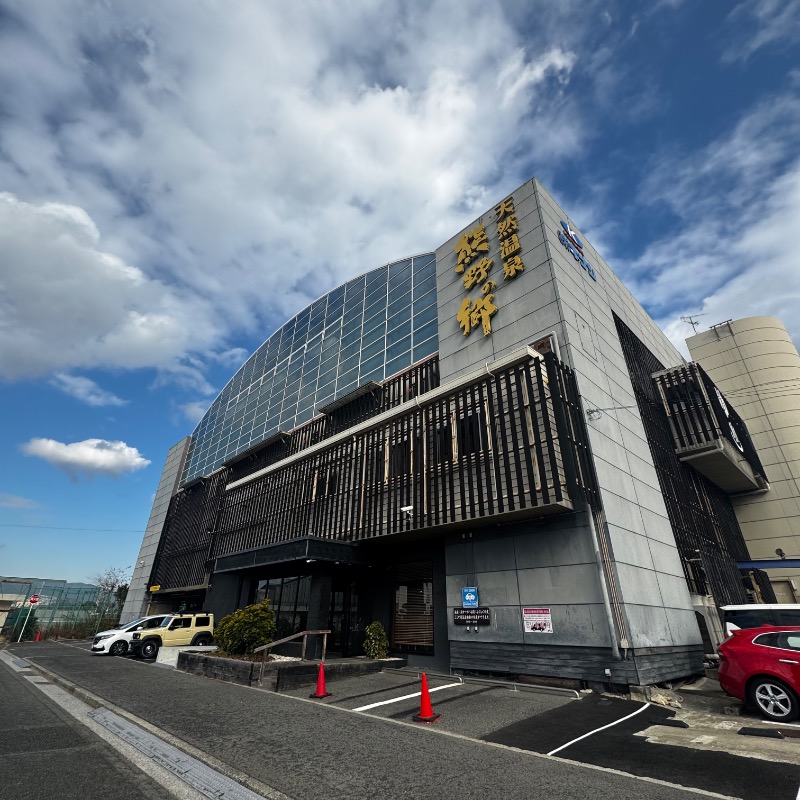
{"type": "Point", "coordinates": [469, 709]}
{"type": "Point", "coordinates": [605, 731]}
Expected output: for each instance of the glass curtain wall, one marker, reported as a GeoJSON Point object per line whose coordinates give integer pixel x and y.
{"type": "Point", "coordinates": [366, 330]}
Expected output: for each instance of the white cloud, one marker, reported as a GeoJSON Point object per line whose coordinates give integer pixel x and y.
{"type": "Point", "coordinates": [178, 179]}
{"type": "Point", "coordinates": [194, 411]}
{"type": "Point", "coordinates": [86, 390]}
{"type": "Point", "coordinates": [65, 302]}
{"type": "Point", "coordinates": [92, 456]}
{"type": "Point", "coordinates": [232, 358]}
{"type": "Point", "coordinates": [13, 501]}
{"type": "Point", "coordinates": [518, 74]}
{"type": "Point", "coordinates": [756, 24]}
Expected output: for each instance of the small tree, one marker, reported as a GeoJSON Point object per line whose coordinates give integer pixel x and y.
{"type": "Point", "coordinates": [247, 628]}
{"type": "Point", "coordinates": [376, 643]}
{"type": "Point", "coordinates": [113, 584]}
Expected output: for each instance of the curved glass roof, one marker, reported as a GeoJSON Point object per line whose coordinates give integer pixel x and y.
{"type": "Point", "coordinates": [366, 330]}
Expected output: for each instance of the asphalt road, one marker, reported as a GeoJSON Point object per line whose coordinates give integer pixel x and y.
{"type": "Point", "coordinates": [312, 749]}
{"type": "Point", "coordinates": [45, 753]}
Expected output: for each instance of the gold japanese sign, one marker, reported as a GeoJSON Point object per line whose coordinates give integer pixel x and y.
{"type": "Point", "coordinates": [474, 266]}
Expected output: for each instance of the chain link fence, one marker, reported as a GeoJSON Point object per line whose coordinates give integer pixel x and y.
{"type": "Point", "coordinates": [62, 611]}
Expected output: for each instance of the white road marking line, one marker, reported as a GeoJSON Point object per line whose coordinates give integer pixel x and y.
{"type": "Point", "coordinates": [405, 697]}
{"type": "Point", "coordinates": [597, 730]}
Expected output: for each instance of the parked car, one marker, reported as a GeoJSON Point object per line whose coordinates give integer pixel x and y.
{"type": "Point", "coordinates": [116, 642]}
{"type": "Point", "coordinates": [174, 630]}
{"type": "Point", "coordinates": [761, 667]}
{"type": "Point", "coordinates": [752, 615]}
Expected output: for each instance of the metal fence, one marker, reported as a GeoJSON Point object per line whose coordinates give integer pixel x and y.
{"type": "Point", "coordinates": [62, 610]}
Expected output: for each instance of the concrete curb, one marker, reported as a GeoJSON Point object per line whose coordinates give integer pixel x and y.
{"type": "Point", "coordinates": [768, 733]}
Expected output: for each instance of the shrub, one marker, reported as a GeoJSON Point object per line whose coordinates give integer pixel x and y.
{"type": "Point", "coordinates": [376, 643]}
{"type": "Point", "coordinates": [247, 628]}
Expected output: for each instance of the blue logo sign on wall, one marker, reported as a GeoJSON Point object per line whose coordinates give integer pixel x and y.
{"type": "Point", "coordinates": [469, 597]}
{"type": "Point", "coordinates": [570, 240]}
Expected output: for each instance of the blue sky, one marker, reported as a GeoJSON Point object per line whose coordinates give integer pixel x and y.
{"type": "Point", "coordinates": [178, 179]}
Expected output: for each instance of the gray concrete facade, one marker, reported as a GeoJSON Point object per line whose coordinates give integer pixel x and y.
{"type": "Point", "coordinates": [553, 564]}
{"type": "Point", "coordinates": [136, 602]}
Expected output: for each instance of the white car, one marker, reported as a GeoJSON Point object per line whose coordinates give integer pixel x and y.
{"type": "Point", "coordinates": [117, 641]}
{"type": "Point", "coordinates": [753, 615]}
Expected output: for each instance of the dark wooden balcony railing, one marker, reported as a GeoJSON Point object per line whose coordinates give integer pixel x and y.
{"type": "Point", "coordinates": [506, 442]}
{"type": "Point", "coordinates": [708, 432]}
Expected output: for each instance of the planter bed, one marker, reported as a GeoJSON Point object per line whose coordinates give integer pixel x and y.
{"type": "Point", "coordinates": [280, 675]}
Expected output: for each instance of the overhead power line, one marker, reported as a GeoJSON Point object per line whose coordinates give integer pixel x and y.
{"type": "Point", "coordinates": [53, 528]}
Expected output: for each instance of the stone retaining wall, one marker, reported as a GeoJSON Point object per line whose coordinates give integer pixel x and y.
{"type": "Point", "coordinates": [279, 675]}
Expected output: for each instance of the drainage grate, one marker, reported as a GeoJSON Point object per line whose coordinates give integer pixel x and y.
{"type": "Point", "coordinates": [206, 780]}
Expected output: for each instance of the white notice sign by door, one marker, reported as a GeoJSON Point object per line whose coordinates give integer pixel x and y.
{"type": "Point", "coordinates": [537, 620]}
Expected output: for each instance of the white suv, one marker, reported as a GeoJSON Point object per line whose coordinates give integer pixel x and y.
{"type": "Point", "coordinates": [117, 641]}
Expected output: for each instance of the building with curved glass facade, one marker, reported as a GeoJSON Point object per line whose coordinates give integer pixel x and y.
{"type": "Point", "coordinates": [367, 330]}
{"type": "Point", "coordinates": [491, 449]}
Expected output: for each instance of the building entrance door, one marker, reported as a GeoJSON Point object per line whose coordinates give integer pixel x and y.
{"type": "Point", "coordinates": [346, 625]}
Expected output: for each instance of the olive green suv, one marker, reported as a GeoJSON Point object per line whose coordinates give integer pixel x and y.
{"type": "Point", "coordinates": [196, 630]}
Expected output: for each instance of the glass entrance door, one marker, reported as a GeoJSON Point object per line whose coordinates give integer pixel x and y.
{"type": "Point", "coordinates": [347, 628]}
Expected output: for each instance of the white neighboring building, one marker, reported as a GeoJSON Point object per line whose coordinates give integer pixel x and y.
{"type": "Point", "coordinates": [756, 365]}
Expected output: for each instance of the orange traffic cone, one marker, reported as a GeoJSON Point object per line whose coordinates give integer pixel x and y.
{"type": "Point", "coordinates": [425, 709]}
{"type": "Point", "coordinates": [321, 691]}
{"type": "Point", "coordinates": [38, 636]}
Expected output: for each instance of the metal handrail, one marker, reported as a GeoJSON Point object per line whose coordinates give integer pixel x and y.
{"type": "Point", "coordinates": [305, 634]}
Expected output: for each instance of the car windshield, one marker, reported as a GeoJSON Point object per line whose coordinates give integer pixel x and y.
{"type": "Point", "coordinates": [133, 624]}
{"type": "Point", "coordinates": [166, 622]}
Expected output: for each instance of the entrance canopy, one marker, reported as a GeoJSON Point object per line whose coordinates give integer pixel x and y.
{"type": "Point", "coordinates": [306, 548]}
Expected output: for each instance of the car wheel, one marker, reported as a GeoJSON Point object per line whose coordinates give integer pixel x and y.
{"type": "Point", "coordinates": [774, 699]}
{"type": "Point", "coordinates": [149, 650]}
{"type": "Point", "coordinates": [204, 640]}
{"type": "Point", "coordinates": [118, 649]}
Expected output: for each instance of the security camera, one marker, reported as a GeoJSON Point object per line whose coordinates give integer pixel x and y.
{"type": "Point", "coordinates": [406, 509]}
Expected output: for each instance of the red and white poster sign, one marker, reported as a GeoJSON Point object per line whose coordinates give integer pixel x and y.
{"type": "Point", "coordinates": [537, 620]}
{"type": "Point", "coordinates": [33, 599]}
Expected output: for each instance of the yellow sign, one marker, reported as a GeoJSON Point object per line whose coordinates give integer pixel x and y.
{"type": "Point", "coordinates": [469, 249]}
{"type": "Point", "coordinates": [470, 246]}
{"type": "Point", "coordinates": [478, 273]}
{"type": "Point", "coordinates": [481, 311]}
{"type": "Point", "coordinates": [507, 232]}
{"type": "Point", "coordinates": [155, 588]}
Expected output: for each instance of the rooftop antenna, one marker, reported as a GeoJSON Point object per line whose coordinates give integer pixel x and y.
{"type": "Point", "coordinates": [692, 320]}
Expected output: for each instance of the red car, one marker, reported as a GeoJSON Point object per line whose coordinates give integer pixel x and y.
{"type": "Point", "coordinates": [761, 667]}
